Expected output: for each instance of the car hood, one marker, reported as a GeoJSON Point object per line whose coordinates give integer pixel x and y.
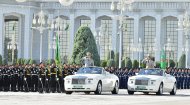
{"type": "Point", "coordinates": [84, 76]}
{"type": "Point", "coordinates": [146, 77]}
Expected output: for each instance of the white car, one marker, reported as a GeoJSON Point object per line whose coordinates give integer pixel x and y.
{"type": "Point", "coordinates": [92, 79]}
{"type": "Point", "coordinates": [152, 80]}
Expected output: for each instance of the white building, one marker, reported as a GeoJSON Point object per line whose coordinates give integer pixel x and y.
{"type": "Point", "coordinates": [152, 21]}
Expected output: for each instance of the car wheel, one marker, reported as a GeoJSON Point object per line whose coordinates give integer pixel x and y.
{"type": "Point", "coordinates": [116, 88]}
{"type": "Point", "coordinates": [173, 92]}
{"type": "Point", "coordinates": [87, 92]}
{"type": "Point", "coordinates": [146, 93]}
{"type": "Point", "coordinates": [98, 88]}
{"type": "Point", "coordinates": [130, 92]}
{"type": "Point", "coordinates": [160, 90]}
{"type": "Point", "coordinates": [68, 92]}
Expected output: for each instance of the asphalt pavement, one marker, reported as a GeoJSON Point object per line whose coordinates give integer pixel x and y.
{"type": "Point", "coordinates": [20, 98]}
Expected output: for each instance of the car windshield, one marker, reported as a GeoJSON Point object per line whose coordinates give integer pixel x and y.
{"type": "Point", "coordinates": [90, 70]}
{"type": "Point", "coordinates": [151, 72]}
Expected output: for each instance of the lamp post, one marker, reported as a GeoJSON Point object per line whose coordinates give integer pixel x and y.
{"type": "Point", "coordinates": [12, 46]}
{"type": "Point", "coordinates": [139, 51]}
{"type": "Point", "coordinates": [121, 6]}
{"type": "Point", "coordinates": [40, 21]}
{"type": "Point", "coordinates": [184, 25]}
{"type": "Point", "coordinates": [169, 49]}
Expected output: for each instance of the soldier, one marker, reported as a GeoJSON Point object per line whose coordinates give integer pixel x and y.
{"type": "Point", "coordinates": [20, 78]}
{"type": "Point", "coordinates": [34, 82]}
{"type": "Point", "coordinates": [182, 79]}
{"type": "Point", "coordinates": [58, 79]}
{"type": "Point", "coordinates": [64, 74]}
{"type": "Point", "coordinates": [27, 78]}
{"type": "Point", "coordinates": [185, 78]}
{"type": "Point", "coordinates": [53, 77]}
{"type": "Point", "coordinates": [15, 78]}
{"type": "Point", "coordinates": [42, 78]}
{"type": "Point", "coordinates": [1, 78]}
{"type": "Point", "coordinates": [188, 79]}
{"type": "Point", "coordinates": [47, 82]}
{"type": "Point", "coordinates": [178, 78]}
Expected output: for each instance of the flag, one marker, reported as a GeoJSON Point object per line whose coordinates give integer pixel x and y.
{"type": "Point", "coordinates": [163, 60]}
{"type": "Point", "coordinates": [57, 52]}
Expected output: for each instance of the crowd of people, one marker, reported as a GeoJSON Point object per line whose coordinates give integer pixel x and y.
{"type": "Point", "coordinates": [50, 78]}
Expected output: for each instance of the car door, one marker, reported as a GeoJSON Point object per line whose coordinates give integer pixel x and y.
{"type": "Point", "coordinates": [166, 82]}
{"type": "Point", "coordinates": [105, 81]}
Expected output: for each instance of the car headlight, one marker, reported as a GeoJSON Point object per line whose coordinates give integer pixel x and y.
{"type": "Point", "coordinates": [90, 80]}
{"type": "Point", "coordinates": [131, 81]}
{"type": "Point", "coordinates": [152, 82]}
{"type": "Point", "coordinates": [68, 80]}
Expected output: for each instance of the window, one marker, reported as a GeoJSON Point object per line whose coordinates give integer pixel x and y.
{"type": "Point", "coordinates": [128, 36]}
{"type": "Point", "coordinates": [171, 38]}
{"type": "Point", "coordinates": [11, 37]}
{"type": "Point", "coordinates": [64, 41]}
{"type": "Point", "coordinates": [85, 22]}
{"type": "Point", "coordinates": [106, 36]}
{"type": "Point", "coordinates": [149, 36]}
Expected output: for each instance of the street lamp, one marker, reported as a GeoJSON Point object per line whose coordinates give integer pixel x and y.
{"type": "Point", "coordinates": [121, 6]}
{"type": "Point", "coordinates": [13, 47]}
{"type": "Point", "coordinates": [184, 24]}
{"type": "Point", "coordinates": [168, 48]}
{"type": "Point", "coordinates": [139, 48]}
{"type": "Point", "coordinates": [40, 21]}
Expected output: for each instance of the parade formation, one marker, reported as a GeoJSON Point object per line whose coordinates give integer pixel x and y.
{"type": "Point", "coordinates": [50, 78]}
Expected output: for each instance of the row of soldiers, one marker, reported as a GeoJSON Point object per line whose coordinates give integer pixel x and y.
{"type": "Point", "coordinates": [34, 78]}
{"type": "Point", "coordinates": [182, 76]}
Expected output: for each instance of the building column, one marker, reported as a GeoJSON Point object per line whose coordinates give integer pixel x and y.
{"type": "Point", "coordinates": [93, 21]}
{"type": "Point", "coordinates": [1, 33]}
{"type": "Point", "coordinates": [181, 40]}
{"type": "Point", "coordinates": [158, 38]}
{"type": "Point", "coordinates": [27, 35]}
{"type": "Point", "coordinates": [136, 37]}
{"type": "Point", "coordinates": [72, 32]}
{"type": "Point", "coordinates": [114, 35]}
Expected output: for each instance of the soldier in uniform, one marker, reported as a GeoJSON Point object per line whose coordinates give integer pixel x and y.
{"type": "Point", "coordinates": [64, 74]}
{"type": "Point", "coordinates": [178, 78]}
{"type": "Point", "coordinates": [53, 77]}
{"type": "Point", "coordinates": [34, 82]}
{"type": "Point", "coordinates": [1, 78]}
{"type": "Point", "coordinates": [42, 78]}
{"type": "Point", "coordinates": [188, 79]}
{"type": "Point", "coordinates": [185, 78]}
{"type": "Point", "coordinates": [59, 79]}
{"type": "Point", "coordinates": [182, 79]}
{"type": "Point", "coordinates": [47, 82]}
{"type": "Point", "coordinates": [27, 78]}
{"type": "Point", "coordinates": [20, 78]}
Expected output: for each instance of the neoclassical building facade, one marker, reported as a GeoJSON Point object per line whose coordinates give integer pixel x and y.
{"type": "Point", "coordinates": [150, 23]}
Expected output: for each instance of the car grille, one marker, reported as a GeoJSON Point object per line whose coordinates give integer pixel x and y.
{"type": "Point", "coordinates": [78, 81]}
{"type": "Point", "coordinates": [141, 82]}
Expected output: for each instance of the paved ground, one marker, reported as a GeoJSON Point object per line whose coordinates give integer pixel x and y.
{"type": "Point", "coordinates": [20, 98]}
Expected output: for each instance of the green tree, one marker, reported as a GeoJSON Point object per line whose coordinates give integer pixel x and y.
{"type": "Point", "coordinates": [135, 64]}
{"type": "Point", "coordinates": [172, 63]}
{"type": "Point", "coordinates": [157, 64]}
{"type": "Point", "coordinates": [181, 63]}
{"type": "Point", "coordinates": [1, 60]}
{"type": "Point", "coordinates": [123, 63]}
{"type": "Point", "coordinates": [84, 42]}
{"type": "Point", "coordinates": [111, 63]}
{"type": "Point", "coordinates": [128, 63]}
{"type": "Point", "coordinates": [116, 58]}
{"type": "Point", "coordinates": [103, 63]}
{"type": "Point", "coordinates": [108, 57]}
